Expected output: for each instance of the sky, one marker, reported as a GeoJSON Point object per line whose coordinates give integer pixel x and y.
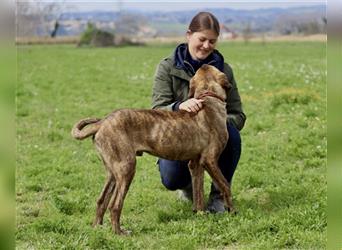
{"type": "Point", "coordinates": [162, 5]}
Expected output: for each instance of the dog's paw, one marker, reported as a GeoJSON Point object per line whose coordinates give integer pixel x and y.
{"type": "Point", "coordinates": [124, 232]}
{"type": "Point", "coordinates": [97, 222]}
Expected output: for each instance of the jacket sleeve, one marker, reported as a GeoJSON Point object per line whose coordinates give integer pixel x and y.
{"type": "Point", "coordinates": [162, 91]}
{"type": "Point", "coordinates": [236, 116]}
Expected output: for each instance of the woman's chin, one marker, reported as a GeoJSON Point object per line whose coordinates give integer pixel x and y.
{"type": "Point", "coordinates": [202, 57]}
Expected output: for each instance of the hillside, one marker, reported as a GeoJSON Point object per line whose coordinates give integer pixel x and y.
{"type": "Point", "coordinates": [309, 19]}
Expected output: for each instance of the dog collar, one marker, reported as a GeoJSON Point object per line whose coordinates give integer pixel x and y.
{"type": "Point", "coordinates": [212, 94]}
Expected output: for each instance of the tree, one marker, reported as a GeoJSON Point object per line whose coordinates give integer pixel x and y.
{"type": "Point", "coordinates": [128, 24]}
{"type": "Point", "coordinates": [247, 32]}
{"type": "Point", "coordinates": [306, 24]}
{"type": "Point", "coordinates": [38, 18]}
{"type": "Point", "coordinates": [6, 20]}
{"type": "Point", "coordinates": [55, 29]}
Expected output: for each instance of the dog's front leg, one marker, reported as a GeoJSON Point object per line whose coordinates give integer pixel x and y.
{"type": "Point", "coordinates": [217, 176]}
{"type": "Point", "coordinates": [197, 176]}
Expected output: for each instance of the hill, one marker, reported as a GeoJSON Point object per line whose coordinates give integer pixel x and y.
{"type": "Point", "coordinates": [308, 19]}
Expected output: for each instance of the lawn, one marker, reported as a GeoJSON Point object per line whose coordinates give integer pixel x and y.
{"type": "Point", "coordinates": [280, 186]}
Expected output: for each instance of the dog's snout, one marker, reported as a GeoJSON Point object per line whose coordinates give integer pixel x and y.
{"type": "Point", "coordinates": [205, 67]}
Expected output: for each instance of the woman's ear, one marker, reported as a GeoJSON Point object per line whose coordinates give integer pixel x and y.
{"type": "Point", "coordinates": [188, 35]}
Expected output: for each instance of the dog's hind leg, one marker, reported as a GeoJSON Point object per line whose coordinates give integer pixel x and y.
{"type": "Point", "coordinates": [197, 176]}
{"type": "Point", "coordinates": [104, 198]}
{"type": "Point", "coordinates": [107, 191]}
{"type": "Point", "coordinates": [124, 173]}
{"type": "Point", "coordinates": [215, 173]}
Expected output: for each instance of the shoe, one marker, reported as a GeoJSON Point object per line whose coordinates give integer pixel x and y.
{"type": "Point", "coordinates": [185, 194]}
{"type": "Point", "coordinates": [215, 201]}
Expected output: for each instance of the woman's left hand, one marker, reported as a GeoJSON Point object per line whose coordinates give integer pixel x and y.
{"type": "Point", "coordinates": [192, 105]}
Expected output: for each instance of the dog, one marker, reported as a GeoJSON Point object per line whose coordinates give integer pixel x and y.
{"type": "Point", "coordinates": [174, 135]}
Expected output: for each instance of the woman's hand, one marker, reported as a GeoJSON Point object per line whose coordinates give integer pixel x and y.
{"type": "Point", "coordinates": [192, 105]}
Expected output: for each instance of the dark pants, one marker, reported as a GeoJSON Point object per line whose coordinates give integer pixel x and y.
{"type": "Point", "coordinates": [175, 174]}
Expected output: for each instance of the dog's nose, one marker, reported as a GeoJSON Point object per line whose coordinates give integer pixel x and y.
{"type": "Point", "coordinates": [205, 66]}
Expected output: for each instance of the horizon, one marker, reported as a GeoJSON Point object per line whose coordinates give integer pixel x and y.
{"type": "Point", "coordinates": [167, 6]}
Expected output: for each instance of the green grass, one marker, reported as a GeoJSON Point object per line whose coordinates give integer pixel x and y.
{"type": "Point", "coordinates": [7, 144]}
{"type": "Point", "coordinates": [279, 188]}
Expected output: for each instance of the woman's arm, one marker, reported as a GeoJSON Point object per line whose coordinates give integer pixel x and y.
{"type": "Point", "coordinates": [236, 116]}
{"type": "Point", "coordinates": [162, 94]}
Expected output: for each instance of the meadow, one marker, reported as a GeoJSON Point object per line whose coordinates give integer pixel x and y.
{"type": "Point", "coordinates": [280, 186]}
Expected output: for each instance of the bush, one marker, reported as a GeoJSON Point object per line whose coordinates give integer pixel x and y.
{"type": "Point", "coordinates": [96, 37]}
{"type": "Point", "coordinates": [87, 35]}
{"type": "Point", "coordinates": [102, 38]}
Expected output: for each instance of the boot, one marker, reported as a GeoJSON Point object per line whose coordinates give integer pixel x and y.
{"type": "Point", "coordinates": [215, 201]}
{"type": "Point", "coordinates": [185, 194]}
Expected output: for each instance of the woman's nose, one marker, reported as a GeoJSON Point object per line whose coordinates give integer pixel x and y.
{"type": "Point", "coordinates": [206, 45]}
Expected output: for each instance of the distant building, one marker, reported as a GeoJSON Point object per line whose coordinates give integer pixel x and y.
{"type": "Point", "coordinates": [146, 31]}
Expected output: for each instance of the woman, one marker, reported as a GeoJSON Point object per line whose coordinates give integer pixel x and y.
{"type": "Point", "coordinates": [170, 91]}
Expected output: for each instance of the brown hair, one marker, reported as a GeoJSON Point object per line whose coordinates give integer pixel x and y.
{"type": "Point", "coordinates": [204, 21]}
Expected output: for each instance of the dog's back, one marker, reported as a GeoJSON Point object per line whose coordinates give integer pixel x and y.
{"type": "Point", "coordinates": [172, 135]}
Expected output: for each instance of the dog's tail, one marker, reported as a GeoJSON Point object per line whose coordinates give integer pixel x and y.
{"type": "Point", "coordinates": [77, 132]}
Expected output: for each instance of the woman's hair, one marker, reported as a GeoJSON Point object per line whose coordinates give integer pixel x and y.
{"type": "Point", "coordinates": [204, 21]}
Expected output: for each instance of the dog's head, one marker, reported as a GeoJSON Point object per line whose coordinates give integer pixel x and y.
{"type": "Point", "coordinates": [209, 78]}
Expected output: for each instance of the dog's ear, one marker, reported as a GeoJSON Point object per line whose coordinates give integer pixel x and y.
{"type": "Point", "coordinates": [191, 88]}
{"type": "Point", "coordinates": [223, 81]}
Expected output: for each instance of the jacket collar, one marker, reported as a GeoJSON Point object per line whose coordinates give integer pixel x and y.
{"type": "Point", "coordinates": [184, 62]}
{"type": "Point", "coordinates": [180, 73]}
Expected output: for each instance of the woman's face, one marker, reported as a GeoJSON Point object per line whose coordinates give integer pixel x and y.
{"type": "Point", "coordinates": [201, 43]}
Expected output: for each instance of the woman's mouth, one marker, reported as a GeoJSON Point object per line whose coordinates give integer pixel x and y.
{"type": "Point", "coordinates": [204, 51]}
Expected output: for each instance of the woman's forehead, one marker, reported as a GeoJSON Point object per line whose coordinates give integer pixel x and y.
{"type": "Point", "coordinates": [209, 34]}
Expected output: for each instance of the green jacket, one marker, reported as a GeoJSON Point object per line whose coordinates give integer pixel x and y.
{"type": "Point", "coordinates": [171, 85]}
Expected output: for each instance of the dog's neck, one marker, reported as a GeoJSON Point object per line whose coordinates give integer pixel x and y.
{"type": "Point", "coordinates": [212, 94]}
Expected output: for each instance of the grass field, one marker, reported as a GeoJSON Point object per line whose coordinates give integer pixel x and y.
{"type": "Point", "coordinates": [280, 186]}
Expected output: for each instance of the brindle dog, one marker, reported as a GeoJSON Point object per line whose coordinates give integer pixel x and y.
{"type": "Point", "coordinates": [179, 135]}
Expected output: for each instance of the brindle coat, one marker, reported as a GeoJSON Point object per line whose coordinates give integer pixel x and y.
{"type": "Point", "coordinates": [180, 135]}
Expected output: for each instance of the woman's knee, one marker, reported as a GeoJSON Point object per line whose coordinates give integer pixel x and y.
{"type": "Point", "coordinates": [174, 174]}
{"type": "Point", "coordinates": [171, 184]}
{"type": "Point", "coordinates": [234, 136]}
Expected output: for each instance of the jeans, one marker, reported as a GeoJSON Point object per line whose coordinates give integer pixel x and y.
{"type": "Point", "coordinates": [176, 175]}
